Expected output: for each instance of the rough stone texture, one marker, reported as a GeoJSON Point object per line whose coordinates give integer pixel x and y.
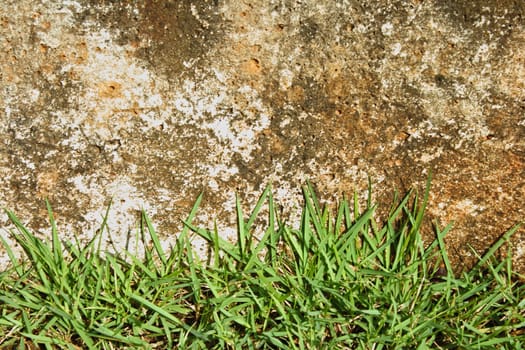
{"type": "Point", "coordinates": [151, 102]}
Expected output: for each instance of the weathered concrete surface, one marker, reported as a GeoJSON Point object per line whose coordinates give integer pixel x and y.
{"type": "Point", "coordinates": [151, 102]}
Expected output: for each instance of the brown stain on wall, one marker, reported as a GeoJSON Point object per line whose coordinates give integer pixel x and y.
{"type": "Point", "coordinates": [109, 89]}
{"type": "Point", "coordinates": [252, 66]}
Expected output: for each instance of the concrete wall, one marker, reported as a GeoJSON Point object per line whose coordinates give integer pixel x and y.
{"type": "Point", "coordinates": [152, 102]}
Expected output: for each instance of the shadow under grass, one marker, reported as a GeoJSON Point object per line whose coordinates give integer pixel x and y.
{"type": "Point", "coordinates": [339, 280]}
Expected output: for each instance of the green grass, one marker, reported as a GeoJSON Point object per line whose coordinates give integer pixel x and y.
{"type": "Point", "coordinates": [338, 281]}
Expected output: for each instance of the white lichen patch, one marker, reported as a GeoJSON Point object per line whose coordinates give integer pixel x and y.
{"type": "Point", "coordinates": [468, 207]}
{"type": "Point", "coordinates": [387, 28]}
{"type": "Point", "coordinates": [123, 211]}
{"type": "Point", "coordinates": [395, 49]}
{"type": "Point", "coordinates": [285, 79]}
{"type": "Point", "coordinates": [428, 157]}
{"type": "Point", "coordinates": [117, 88]}
{"type": "Point", "coordinates": [519, 252]}
{"type": "Point", "coordinates": [235, 130]}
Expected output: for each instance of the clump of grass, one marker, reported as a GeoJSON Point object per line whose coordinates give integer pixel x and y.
{"type": "Point", "coordinates": [339, 280]}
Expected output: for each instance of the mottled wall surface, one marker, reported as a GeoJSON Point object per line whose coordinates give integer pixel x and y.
{"type": "Point", "coordinates": [152, 102]}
